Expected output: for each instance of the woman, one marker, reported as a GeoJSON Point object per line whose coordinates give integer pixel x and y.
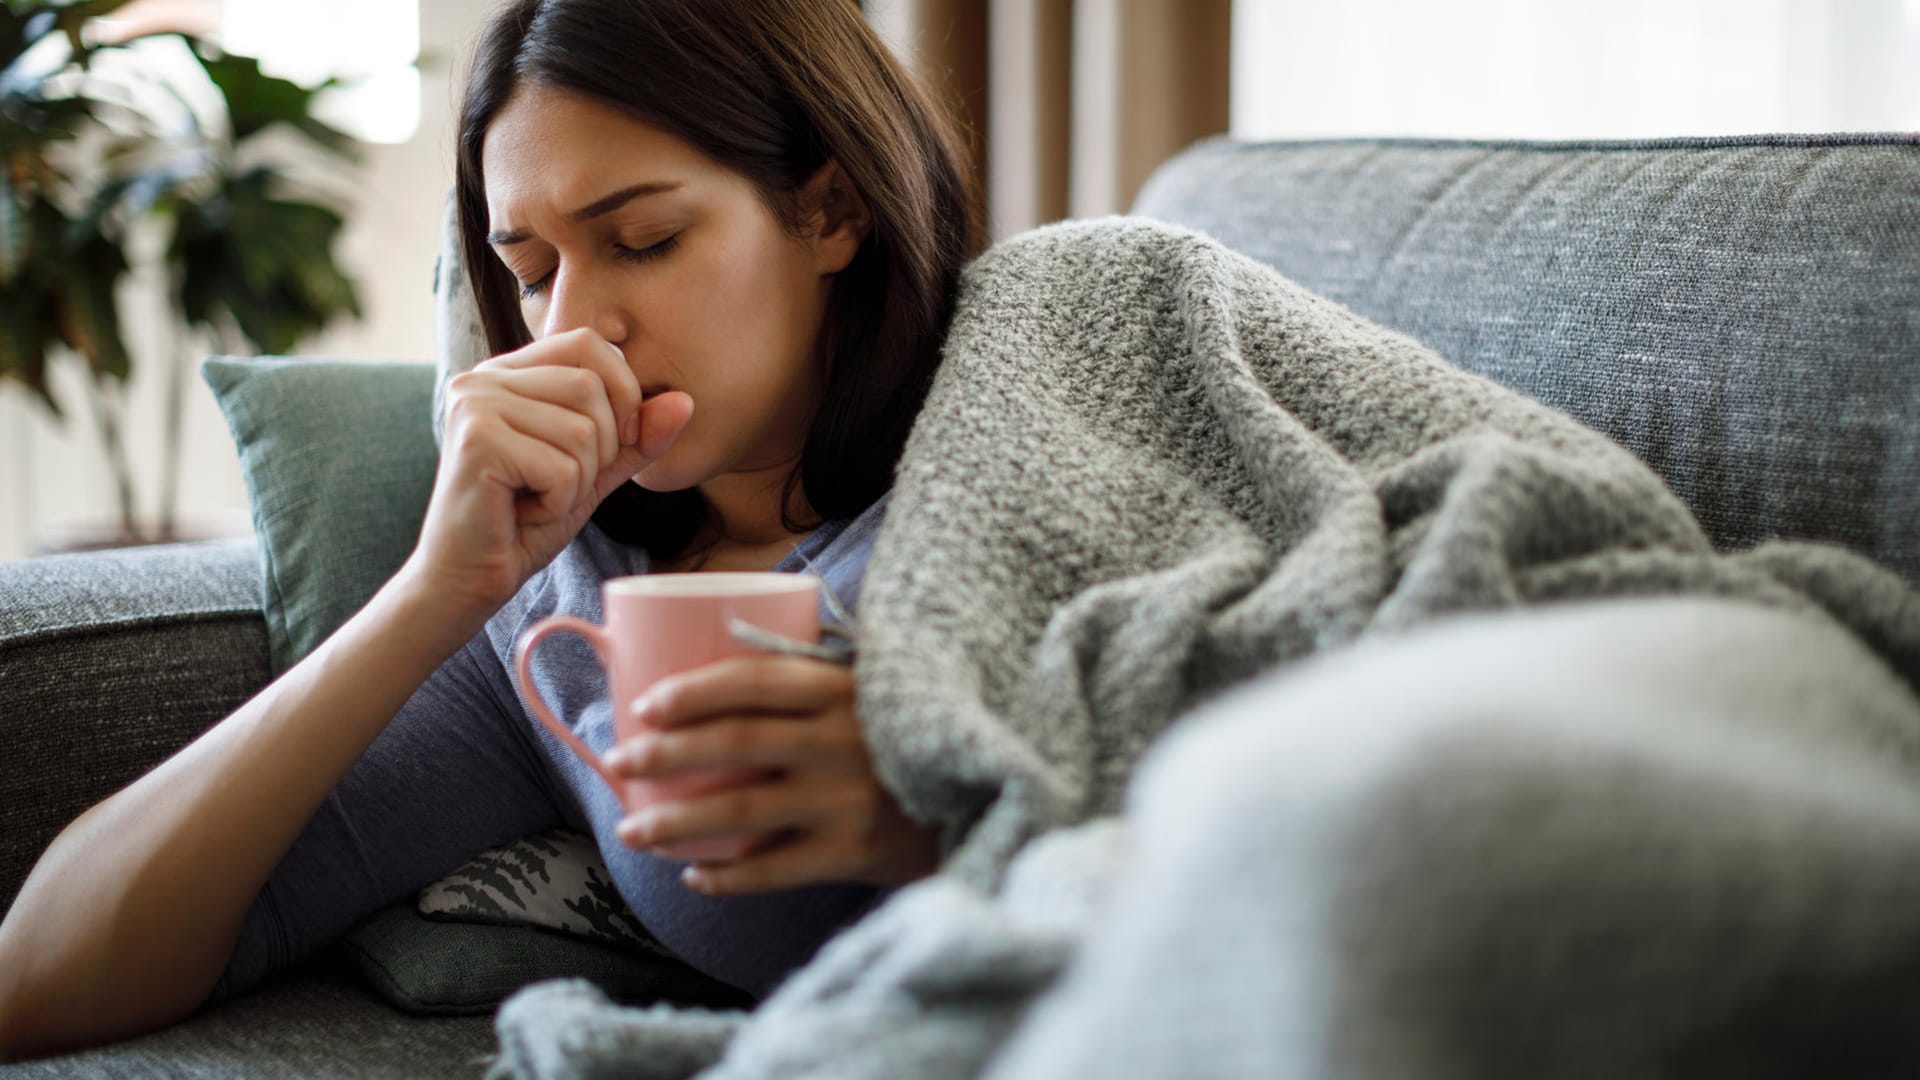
{"type": "Point", "coordinates": [715, 245]}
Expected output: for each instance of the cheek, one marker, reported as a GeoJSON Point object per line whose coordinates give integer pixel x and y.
{"type": "Point", "coordinates": [744, 306]}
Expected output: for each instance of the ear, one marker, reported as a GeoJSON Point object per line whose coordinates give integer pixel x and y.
{"type": "Point", "coordinates": [840, 218]}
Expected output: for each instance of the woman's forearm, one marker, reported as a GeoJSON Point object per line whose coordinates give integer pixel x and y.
{"type": "Point", "coordinates": [131, 914]}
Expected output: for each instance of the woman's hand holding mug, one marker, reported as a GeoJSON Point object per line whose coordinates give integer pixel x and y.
{"type": "Point", "coordinates": [534, 440]}
{"type": "Point", "coordinates": [826, 815]}
{"type": "Point", "coordinates": [751, 765]}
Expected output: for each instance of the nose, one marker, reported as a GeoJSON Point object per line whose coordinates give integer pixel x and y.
{"type": "Point", "coordinates": [577, 299]}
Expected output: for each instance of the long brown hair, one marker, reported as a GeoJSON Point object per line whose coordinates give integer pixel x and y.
{"type": "Point", "coordinates": [771, 89]}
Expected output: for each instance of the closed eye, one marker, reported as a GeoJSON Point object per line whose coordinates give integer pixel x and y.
{"type": "Point", "coordinates": [529, 290]}
{"type": "Point", "coordinates": [627, 254]}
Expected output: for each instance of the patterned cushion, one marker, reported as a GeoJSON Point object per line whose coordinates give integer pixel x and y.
{"type": "Point", "coordinates": [434, 968]}
{"type": "Point", "coordinates": [542, 907]}
{"type": "Point", "coordinates": [554, 879]}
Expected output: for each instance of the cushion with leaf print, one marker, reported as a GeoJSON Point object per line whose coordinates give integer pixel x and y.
{"type": "Point", "coordinates": [542, 907]}
{"type": "Point", "coordinates": [553, 879]}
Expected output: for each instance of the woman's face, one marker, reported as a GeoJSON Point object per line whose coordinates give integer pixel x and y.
{"type": "Point", "coordinates": [616, 226]}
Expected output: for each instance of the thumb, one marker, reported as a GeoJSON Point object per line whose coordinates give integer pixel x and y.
{"type": "Point", "coordinates": [662, 419]}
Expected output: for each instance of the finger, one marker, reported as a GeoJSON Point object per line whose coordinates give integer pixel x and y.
{"type": "Point", "coordinates": [831, 741]}
{"type": "Point", "coordinates": [544, 479]}
{"type": "Point", "coordinates": [585, 349]}
{"type": "Point", "coordinates": [803, 859]}
{"type": "Point", "coordinates": [564, 430]}
{"type": "Point", "coordinates": [762, 807]}
{"type": "Point", "coordinates": [662, 420]}
{"type": "Point", "coordinates": [572, 389]}
{"type": "Point", "coordinates": [754, 683]}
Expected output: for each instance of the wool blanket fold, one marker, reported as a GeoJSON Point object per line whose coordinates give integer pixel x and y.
{"type": "Point", "coordinates": [1149, 470]}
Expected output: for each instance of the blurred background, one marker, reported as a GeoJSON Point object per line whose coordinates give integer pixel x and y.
{"type": "Point", "coordinates": [212, 203]}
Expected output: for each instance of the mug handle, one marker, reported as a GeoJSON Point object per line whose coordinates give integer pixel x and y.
{"type": "Point", "coordinates": [530, 693]}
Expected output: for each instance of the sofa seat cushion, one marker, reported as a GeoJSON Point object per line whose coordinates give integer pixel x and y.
{"type": "Point", "coordinates": [314, 1021]}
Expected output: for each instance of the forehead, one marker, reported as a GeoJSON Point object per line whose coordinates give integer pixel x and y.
{"type": "Point", "coordinates": [552, 148]}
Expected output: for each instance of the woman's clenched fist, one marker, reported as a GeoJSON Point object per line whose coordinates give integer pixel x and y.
{"type": "Point", "coordinates": [534, 440]}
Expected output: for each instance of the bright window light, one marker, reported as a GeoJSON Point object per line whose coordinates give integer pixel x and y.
{"type": "Point", "coordinates": [369, 44]}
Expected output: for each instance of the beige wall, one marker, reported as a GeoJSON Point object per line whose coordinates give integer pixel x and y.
{"type": "Point", "coordinates": [52, 475]}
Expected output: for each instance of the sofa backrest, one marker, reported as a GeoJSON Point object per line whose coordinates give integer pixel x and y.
{"type": "Point", "coordinates": [1743, 313]}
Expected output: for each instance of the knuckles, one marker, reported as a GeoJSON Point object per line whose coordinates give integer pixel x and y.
{"type": "Point", "coordinates": [584, 382]}
{"type": "Point", "coordinates": [737, 810]}
{"type": "Point", "coordinates": [735, 741]}
{"type": "Point", "coordinates": [581, 431]}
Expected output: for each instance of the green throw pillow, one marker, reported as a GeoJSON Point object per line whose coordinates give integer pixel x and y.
{"type": "Point", "coordinates": [436, 968]}
{"type": "Point", "coordinates": [338, 457]}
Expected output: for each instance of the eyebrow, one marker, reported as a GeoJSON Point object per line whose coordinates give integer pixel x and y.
{"type": "Point", "coordinates": [597, 208]}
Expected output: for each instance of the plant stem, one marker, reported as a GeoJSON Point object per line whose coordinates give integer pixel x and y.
{"type": "Point", "coordinates": [106, 408]}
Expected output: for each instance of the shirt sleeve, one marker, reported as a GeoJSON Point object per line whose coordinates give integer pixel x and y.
{"type": "Point", "coordinates": [454, 773]}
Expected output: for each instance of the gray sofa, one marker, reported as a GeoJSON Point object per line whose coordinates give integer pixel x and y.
{"type": "Point", "coordinates": [1743, 313]}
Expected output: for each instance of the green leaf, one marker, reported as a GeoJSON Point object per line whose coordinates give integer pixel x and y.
{"type": "Point", "coordinates": [25, 333]}
{"type": "Point", "coordinates": [265, 262]}
{"type": "Point", "coordinates": [89, 319]}
{"type": "Point", "coordinates": [256, 100]}
{"type": "Point", "coordinates": [245, 249]}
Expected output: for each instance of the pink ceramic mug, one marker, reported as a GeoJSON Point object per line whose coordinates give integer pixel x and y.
{"type": "Point", "coordinates": [659, 625]}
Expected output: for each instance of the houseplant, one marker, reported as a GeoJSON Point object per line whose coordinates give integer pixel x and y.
{"type": "Point", "coordinates": [111, 147]}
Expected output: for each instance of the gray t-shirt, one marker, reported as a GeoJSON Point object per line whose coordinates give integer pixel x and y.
{"type": "Point", "coordinates": [464, 767]}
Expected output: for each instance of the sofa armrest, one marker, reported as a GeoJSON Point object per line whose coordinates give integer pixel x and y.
{"type": "Point", "coordinates": [109, 662]}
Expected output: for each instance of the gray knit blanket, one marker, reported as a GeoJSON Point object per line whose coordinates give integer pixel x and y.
{"type": "Point", "coordinates": [1152, 478]}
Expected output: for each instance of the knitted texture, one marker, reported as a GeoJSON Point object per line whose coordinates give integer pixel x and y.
{"type": "Point", "coordinates": [1739, 312]}
{"type": "Point", "coordinates": [1148, 470]}
{"type": "Point", "coordinates": [1152, 467]}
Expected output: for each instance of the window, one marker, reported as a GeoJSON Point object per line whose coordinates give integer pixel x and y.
{"type": "Point", "coordinates": [370, 45]}
{"type": "Point", "coordinates": [1574, 68]}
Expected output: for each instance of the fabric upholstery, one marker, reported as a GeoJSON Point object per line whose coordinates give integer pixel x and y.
{"type": "Point", "coordinates": [1742, 313]}
{"type": "Point", "coordinates": [110, 661]}
{"type": "Point", "coordinates": [1151, 468]}
{"type": "Point", "coordinates": [338, 458]}
{"type": "Point", "coordinates": [319, 1021]}
{"type": "Point", "coordinates": [1579, 273]}
{"type": "Point", "coordinates": [430, 967]}
{"type": "Point", "coordinates": [554, 879]}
